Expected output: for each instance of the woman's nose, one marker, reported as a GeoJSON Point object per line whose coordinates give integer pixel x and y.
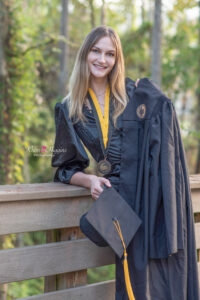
{"type": "Point", "coordinates": [102, 58]}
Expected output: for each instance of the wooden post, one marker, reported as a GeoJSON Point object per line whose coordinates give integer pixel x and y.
{"type": "Point", "coordinates": [50, 281]}
{"type": "Point", "coordinates": [71, 279]}
{"type": "Point", "coordinates": [66, 280]}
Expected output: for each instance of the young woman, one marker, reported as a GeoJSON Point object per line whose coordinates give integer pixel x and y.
{"type": "Point", "coordinates": [131, 130]}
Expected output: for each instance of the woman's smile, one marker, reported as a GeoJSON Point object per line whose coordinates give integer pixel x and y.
{"type": "Point", "coordinates": [99, 67]}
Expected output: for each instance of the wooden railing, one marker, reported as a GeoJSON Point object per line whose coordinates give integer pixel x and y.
{"type": "Point", "coordinates": [66, 256]}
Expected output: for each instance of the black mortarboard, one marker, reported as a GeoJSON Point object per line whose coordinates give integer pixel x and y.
{"type": "Point", "coordinates": [106, 210]}
{"type": "Point", "coordinates": [112, 221]}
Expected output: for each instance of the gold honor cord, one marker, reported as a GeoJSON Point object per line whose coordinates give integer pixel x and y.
{"type": "Point", "coordinates": [125, 262]}
{"type": "Point", "coordinates": [104, 120]}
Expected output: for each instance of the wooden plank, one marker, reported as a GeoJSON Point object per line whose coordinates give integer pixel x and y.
{"type": "Point", "coordinates": [54, 258]}
{"type": "Point", "coordinates": [55, 190]}
{"type": "Point", "coordinates": [49, 190]}
{"type": "Point", "coordinates": [195, 181]}
{"type": "Point", "coordinates": [97, 291]}
{"type": "Point", "coordinates": [196, 200]}
{"type": "Point", "coordinates": [197, 235]}
{"type": "Point", "coordinates": [37, 215]}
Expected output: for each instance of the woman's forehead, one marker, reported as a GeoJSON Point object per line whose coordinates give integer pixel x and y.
{"type": "Point", "coordinates": [105, 43]}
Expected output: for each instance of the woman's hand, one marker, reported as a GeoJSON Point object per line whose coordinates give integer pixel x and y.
{"type": "Point", "coordinates": [96, 185]}
{"type": "Point", "coordinates": [137, 81]}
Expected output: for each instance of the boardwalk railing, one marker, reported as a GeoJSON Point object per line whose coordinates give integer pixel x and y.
{"type": "Point", "coordinates": [56, 209]}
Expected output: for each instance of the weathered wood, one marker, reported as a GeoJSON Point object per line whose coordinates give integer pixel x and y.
{"type": "Point", "coordinates": [44, 214]}
{"type": "Point", "coordinates": [195, 181]}
{"type": "Point", "coordinates": [97, 291]}
{"type": "Point", "coordinates": [37, 215]}
{"type": "Point", "coordinates": [36, 207]}
{"type": "Point", "coordinates": [40, 191]}
{"type": "Point", "coordinates": [197, 234]}
{"type": "Point", "coordinates": [56, 190]}
{"type": "Point", "coordinates": [66, 280]}
{"type": "Point", "coordinates": [50, 281]}
{"type": "Point", "coordinates": [199, 272]}
{"type": "Point", "coordinates": [196, 200]}
{"type": "Point", "coordinates": [49, 259]}
{"type": "Point", "coordinates": [72, 279]}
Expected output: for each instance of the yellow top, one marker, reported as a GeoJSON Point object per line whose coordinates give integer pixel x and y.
{"type": "Point", "coordinates": [104, 120]}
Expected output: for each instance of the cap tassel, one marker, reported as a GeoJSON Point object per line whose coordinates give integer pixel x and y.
{"type": "Point", "coordinates": [125, 263]}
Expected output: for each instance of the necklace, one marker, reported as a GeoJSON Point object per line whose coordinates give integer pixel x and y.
{"type": "Point", "coordinates": [98, 95]}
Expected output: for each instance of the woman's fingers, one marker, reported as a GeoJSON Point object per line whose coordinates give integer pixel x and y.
{"type": "Point", "coordinates": [98, 189]}
{"type": "Point", "coordinates": [137, 81]}
{"type": "Point", "coordinates": [95, 196]}
{"type": "Point", "coordinates": [105, 181]}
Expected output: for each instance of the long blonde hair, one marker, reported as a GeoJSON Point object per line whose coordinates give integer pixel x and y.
{"type": "Point", "coordinates": [79, 80]}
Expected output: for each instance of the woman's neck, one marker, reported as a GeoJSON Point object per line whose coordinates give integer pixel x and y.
{"type": "Point", "coordinates": [98, 85]}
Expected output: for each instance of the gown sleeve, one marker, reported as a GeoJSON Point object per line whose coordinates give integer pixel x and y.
{"type": "Point", "coordinates": [169, 184]}
{"type": "Point", "coordinates": [69, 155]}
{"type": "Point", "coordinates": [174, 229]}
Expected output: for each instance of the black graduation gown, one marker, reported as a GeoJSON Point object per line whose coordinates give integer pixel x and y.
{"type": "Point", "coordinates": [154, 181]}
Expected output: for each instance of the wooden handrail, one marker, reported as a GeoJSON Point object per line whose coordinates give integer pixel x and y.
{"type": "Point", "coordinates": [64, 259]}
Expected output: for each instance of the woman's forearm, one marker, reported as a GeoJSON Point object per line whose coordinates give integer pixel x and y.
{"type": "Point", "coordinates": [82, 179]}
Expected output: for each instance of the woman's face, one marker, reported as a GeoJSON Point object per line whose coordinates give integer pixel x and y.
{"type": "Point", "coordinates": [101, 58]}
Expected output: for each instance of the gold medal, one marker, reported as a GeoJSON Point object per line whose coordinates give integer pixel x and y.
{"type": "Point", "coordinates": [104, 166]}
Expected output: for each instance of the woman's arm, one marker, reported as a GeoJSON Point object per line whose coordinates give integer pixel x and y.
{"type": "Point", "coordinates": [82, 179]}
{"type": "Point", "coordinates": [90, 181]}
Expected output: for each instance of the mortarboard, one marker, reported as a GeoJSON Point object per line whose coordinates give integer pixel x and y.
{"type": "Point", "coordinates": [111, 221]}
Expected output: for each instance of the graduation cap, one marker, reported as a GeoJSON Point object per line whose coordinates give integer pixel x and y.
{"type": "Point", "coordinates": [111, 221]}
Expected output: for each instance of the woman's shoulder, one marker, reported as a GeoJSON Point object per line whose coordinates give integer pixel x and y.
{"type": "Point", "coordinates": [129, 85]}
{"type": "Point", "coordinates": [61, 111]}
{"type": "Point", "coordinates": [134, 83]}
{"type": "Point", "coordinates": [63, 105]}
{"type": "Point", "coordinates": [129, 82]}
{"type": "Point", "coordinates": [144, 84]}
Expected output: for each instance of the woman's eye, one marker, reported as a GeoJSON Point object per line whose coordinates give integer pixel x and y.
{"type": "Point", "coordinates": [94, 50]}
{"type": "Point", "coordinates": [110, 54]}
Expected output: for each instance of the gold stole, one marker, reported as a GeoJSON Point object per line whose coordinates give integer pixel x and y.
{"type": "Point", "coordinates": [104, 120]}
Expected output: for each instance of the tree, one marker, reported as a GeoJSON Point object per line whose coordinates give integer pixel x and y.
{"type": "Point", "coordinates": [64, 49]}
{"type": "Point", "coordinates": [5, 101]}
{"type": "Point", "coordinates": [103, 13]}
{"type": "Point", "coordinates": [197, 168]}
{"type": "Point", "coordinates": [156, 44]}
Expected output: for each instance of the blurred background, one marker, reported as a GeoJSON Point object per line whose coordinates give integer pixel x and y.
{"type": "Point", "coordinates": [39, 40]}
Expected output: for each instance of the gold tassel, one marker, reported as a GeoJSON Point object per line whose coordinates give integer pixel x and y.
{"type": "Point", "coordinates": [125, 263]}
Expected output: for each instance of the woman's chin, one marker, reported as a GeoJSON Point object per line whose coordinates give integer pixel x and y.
{"type": "Point", "coordinates": [98, 75]}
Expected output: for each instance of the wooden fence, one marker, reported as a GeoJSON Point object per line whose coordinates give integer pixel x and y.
{"type": "Point", "coordinates": [66, 256]}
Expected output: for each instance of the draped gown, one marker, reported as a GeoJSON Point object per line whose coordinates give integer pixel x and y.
{"type": "Point", "coordinates": [150, 172]}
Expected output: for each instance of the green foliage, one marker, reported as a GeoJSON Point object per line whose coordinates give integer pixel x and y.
{"type": "Point", "coordinates": [101, 274]}
{"type": "Point", "coordinates": [137, 62]}
{"type": "Point", "coordinates": [19, 97]}
{"type": "Point", "coordinates": [25, 288]}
